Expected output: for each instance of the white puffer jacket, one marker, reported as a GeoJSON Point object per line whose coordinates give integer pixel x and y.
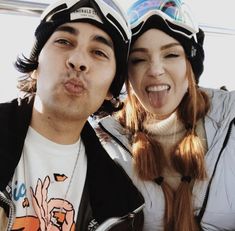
{"type": "Point", "coordinates": [219, 197]}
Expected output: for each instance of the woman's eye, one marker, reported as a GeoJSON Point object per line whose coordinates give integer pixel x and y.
{"type": "Point", "coordinates": [136, 60]}
{"type": "Point", "coordinates": [172, 55]}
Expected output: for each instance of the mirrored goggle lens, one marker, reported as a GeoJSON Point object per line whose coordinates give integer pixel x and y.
{"type": "Point", "coordinates": [116, 17]}
{"type": "Point", "coordinates": [114, 6]}
{"type": "Point", "coordinates": [174, 11]}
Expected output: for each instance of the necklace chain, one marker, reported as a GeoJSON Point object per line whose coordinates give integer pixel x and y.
{"type": "Point", "coordinates": [70, 182]}
{"type": "Point", "coordinates": [72, 175]}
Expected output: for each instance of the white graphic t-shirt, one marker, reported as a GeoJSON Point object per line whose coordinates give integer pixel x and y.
{"type": "Point", "coordinates": [48, 183]}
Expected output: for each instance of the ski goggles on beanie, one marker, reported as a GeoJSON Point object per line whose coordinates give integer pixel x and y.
{"type": "Point", "coordinates": [105, 14]}
{"type": "Point", "coordinates": [175, 18]}
{"type": "Point", "coordinates": [175, 12]}
{"type": "Point", "coordinates": [97, 10]}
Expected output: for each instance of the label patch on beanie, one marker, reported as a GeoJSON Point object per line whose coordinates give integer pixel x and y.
{"type": "Point", "coordinates": [85, 12]}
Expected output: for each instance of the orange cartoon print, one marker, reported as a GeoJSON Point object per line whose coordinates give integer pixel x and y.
{"type": "Point", "coordinates": [60, 177]}
{"type": "Point", "coordinates": [52, 214]}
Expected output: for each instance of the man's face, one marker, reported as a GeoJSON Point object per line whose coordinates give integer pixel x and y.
{"type": "Point", "coordinates": [62, 87]}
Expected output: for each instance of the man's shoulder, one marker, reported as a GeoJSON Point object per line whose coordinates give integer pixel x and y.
{"type": "Point", "coordinates": [14, 108]}
{"type": "Point", "coordinates": [8, 104]}
{"type": "Point", "coordinates": [7, 110]}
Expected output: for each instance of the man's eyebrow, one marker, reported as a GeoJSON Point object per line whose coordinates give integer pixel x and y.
{"type": "Point", "coordinates": [103, 40]}
{"type": "Point", "coordinates": [97, 38]}
{"type": "Point", "coordinates": [67, 29]}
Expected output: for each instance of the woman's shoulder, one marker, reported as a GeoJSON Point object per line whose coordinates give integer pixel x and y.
{"type": "Point", "coordinates": [219, 94]}
{"type": "Point", "coordinates": [222, 102]}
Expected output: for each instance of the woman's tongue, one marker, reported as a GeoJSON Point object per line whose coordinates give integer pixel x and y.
{"type": "Point", "coordinates": [157, 95]}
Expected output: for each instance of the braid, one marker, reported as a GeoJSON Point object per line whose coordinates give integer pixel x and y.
{"type": "Point", "coordinates": [187, 157]}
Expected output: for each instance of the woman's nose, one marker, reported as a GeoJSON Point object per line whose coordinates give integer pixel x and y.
{"type": "Point", "coordinates": [156, 68]}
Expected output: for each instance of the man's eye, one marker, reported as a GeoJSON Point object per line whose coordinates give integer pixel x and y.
{"type": "Point", "coordinates": [63, 42]}
{"type": "Point", "coordinates": [100, 53]}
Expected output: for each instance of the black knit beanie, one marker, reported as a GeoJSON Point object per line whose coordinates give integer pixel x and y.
{"type": "Point", "coordinates": [60, 14]}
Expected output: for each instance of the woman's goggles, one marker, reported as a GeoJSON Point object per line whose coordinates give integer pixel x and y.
{"type": "Point", "coordinates": [175, 12]}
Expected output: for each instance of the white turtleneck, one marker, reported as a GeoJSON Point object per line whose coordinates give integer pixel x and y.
{"type": "Point", "coordinates": [168, 133]}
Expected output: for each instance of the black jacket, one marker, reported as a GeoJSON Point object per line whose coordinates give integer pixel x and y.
{"type": "Point", "coordinates": [108, 191]}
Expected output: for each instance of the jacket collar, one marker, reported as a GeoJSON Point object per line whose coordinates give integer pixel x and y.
{"type": "Point", "coordinates": [14, 122]}
{"type": "Point", "coordinates": [108, 183]}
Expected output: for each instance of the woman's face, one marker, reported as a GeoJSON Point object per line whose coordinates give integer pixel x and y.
{"type": "Point", "coordinates": [157, 72]}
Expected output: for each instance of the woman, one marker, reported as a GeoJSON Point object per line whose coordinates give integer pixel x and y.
{"type": "Point", "coordinates": [182, 136]}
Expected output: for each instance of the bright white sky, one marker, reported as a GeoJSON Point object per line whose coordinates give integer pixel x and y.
{"type": "Point", "coordinates": [17, 37]}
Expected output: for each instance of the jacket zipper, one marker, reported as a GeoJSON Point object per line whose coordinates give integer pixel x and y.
{"type": "Point", "coordinates": [132, 214]}
{"type": "Point", "coordinates": [206, 196]}
{"type": "Point", "coordinates": [105, 226]}
{"type": "Point", "coordinates": [12, 210]}
{"type": "Point", "coordinates": [112, 222]}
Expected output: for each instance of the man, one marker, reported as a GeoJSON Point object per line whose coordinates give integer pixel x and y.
{"type": "Point", "coordinates": [54, 173]}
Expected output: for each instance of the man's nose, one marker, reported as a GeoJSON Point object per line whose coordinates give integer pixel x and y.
{"type": "Point", "coordinates": [77, 61]}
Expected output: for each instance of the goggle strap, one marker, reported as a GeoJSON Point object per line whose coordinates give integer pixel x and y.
{"type": "Point", "coordinates": [111, 13]}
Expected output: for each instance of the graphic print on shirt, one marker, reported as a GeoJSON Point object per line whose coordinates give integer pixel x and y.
{"type": "Point", "coordinates": [51, 213]}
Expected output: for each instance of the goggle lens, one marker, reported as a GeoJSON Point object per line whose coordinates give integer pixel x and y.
{"type": "Point", "coordinates": [174, 11]}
